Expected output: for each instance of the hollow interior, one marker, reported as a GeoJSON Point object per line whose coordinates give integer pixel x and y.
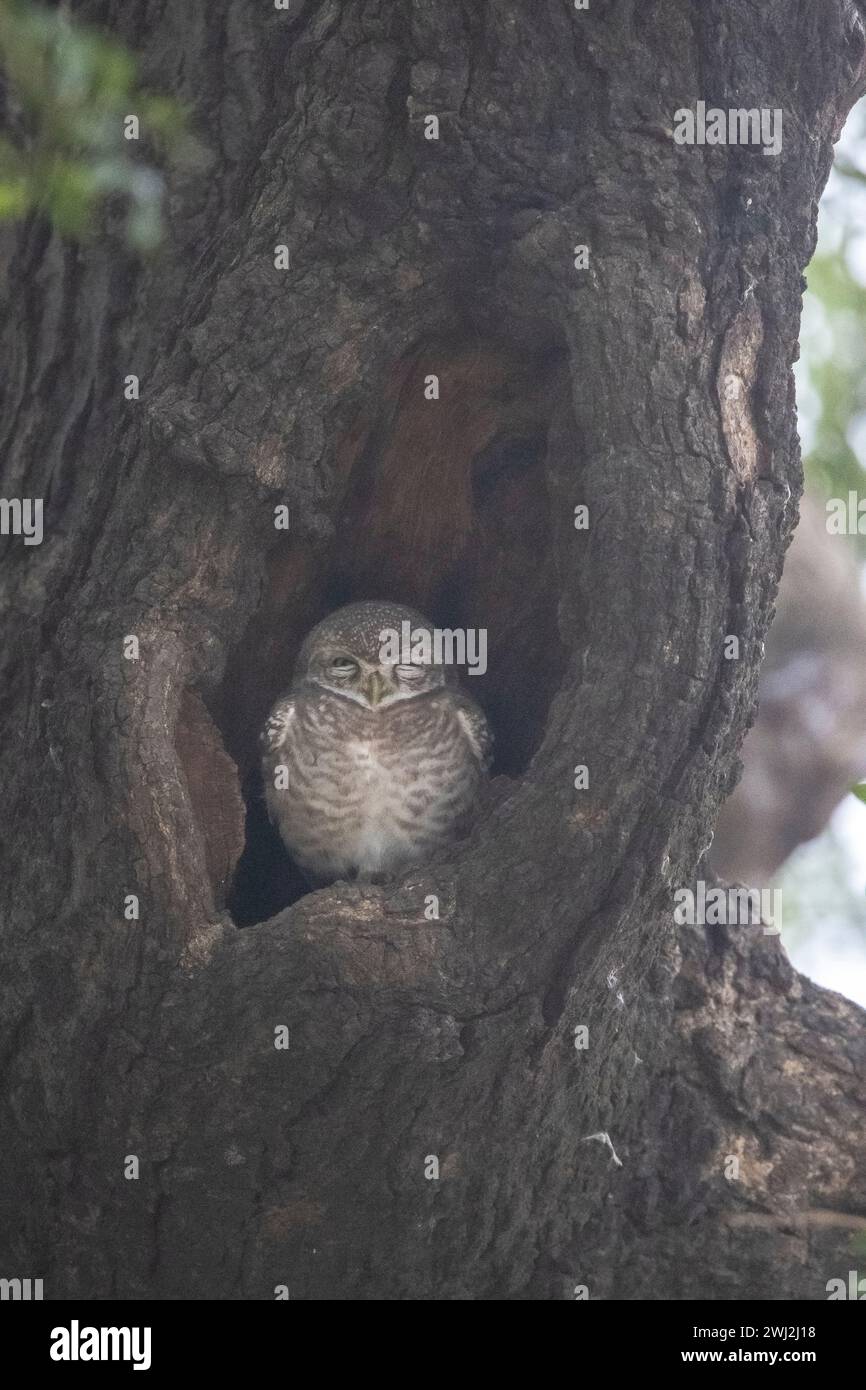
{"type": "Point", "coordinates": [444, 506]}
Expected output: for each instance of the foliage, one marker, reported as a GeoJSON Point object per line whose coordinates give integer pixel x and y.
{"type": "Point", "coordinates": [68, 92]}
{"type": "Point", "coordinates": [832, 375]}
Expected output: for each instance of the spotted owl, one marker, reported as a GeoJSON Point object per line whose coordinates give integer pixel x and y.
{"type": "Point", "coordinates": [370, 764]}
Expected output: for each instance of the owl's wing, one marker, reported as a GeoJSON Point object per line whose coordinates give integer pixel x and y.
{"type": "Point", "coordinates": [274, 733]}
{"type": "Point", "coordinates": [473, 722]}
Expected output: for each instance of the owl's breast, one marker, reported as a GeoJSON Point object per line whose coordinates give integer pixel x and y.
{"type": "Point", "coordinates": [369, 790]}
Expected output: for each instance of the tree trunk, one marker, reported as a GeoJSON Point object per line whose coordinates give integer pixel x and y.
{"type": "Point", "coordinates": [654, 388]}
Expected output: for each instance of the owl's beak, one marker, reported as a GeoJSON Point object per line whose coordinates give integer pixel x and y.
{"type": "Point", "coordinates": [374, 687]}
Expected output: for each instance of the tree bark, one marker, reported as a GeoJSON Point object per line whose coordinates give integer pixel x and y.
{"type": "Point", "coordinates": [415, 1037]}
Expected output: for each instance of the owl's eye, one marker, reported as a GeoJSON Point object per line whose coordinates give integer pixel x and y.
{"type": "Point", "coordinates": [342, 667]}
{"type": "Point", "coordinates": [410, 673]}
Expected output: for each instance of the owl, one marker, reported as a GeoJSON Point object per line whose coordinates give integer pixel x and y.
{"type": "Point", "coordinates": [369, 763]}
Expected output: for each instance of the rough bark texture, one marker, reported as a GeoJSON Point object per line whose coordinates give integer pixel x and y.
{"type": "Point", "coordinates": [409, 1037]}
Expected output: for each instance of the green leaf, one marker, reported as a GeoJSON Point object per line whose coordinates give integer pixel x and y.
{"type": "Point", "coordinates": [73, 87]}
{"type": "Point", "coordinates": [14, 198]}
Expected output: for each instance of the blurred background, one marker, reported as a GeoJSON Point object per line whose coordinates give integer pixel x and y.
{"type": "Point", "coordinates": [797, 820]}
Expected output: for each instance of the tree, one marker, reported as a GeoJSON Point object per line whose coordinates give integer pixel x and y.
{"type": "Point", "coordinates": [359, 1098]}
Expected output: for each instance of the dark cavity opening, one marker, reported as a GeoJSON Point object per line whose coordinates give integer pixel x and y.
{"type": "Point", "coordinates": [444, 506]}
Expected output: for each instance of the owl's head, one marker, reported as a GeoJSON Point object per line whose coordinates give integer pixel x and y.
{"type": "Point", "coordinates": [352, 653]}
